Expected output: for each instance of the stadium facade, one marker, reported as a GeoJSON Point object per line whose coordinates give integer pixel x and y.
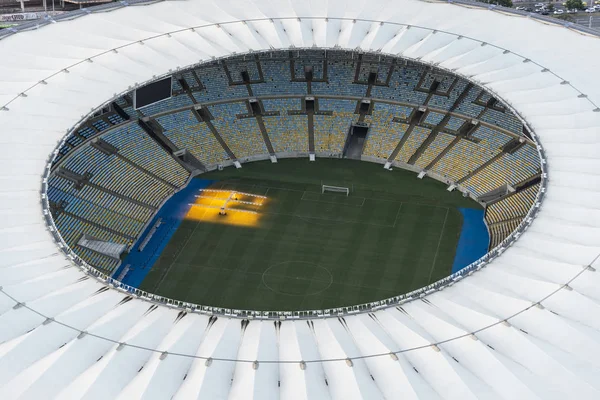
{"type": "Point", "coordinates": [521, 325]}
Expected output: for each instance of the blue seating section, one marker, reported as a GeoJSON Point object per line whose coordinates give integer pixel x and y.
{"type": "Point", "coordinates": [242, 136]}
{"type": "Point", "coordinates": [175, 86]}
{"type": "Point", "coordinates": [236, 68]}
{"type": "Point", "coordinates": [347, 106]}
{"type": "Point", "coordinates": [87, 132]}
{"type": "Point", "coordinates": [278, 75]}
{"type": "Point", "coordinates": [446, 102]}
{"type": "Point", "coordinates": [317, 67]}
{"type": "Point", "coordinates": [340, 75]}
{"type": "Point", "coordinates": [216, 85]}
{"type": "Point", "coordinates": [98, 197]}
{"type": "Point", "coordinates": [467, 107]}
{"type": "Point", "coordinates": [433, 118]}
{"type": "Point", "coordinates": [446, 82]}
{"type": "Point", "coordinates": [282, 105]}
{"type": "Point", "coordinates": [100, 125]}
{"type": "Point", "coordinates": [184, 130]}
{"type": "Point", "coordinates": [97, 213]}
{"type": "Point", "coordinates": [112, 173]}
{"type": "Point", "coordinates": [115, 119]}
{"type": "Point", "coordinates": [504, 120]}
{"type": "Point", "coordinates": [454, 123]}
{"type": "Point", "coordinates": [134, 144]}
{"type": "Point", "coordinates": [491, 138]}
{"type": "Point", "coordinates": [402, 85]}
{"type": "Point", "coordinates": [182, 100]}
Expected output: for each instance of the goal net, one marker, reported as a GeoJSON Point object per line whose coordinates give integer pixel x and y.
{"type": "Point", "coordinates": [337, 189]}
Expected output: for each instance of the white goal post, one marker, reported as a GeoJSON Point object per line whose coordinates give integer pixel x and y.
{"type": "Point", "coordinates": [338, 189]}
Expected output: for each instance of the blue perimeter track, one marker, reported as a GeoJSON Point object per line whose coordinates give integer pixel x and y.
{"type": "Point", "coordinates": [171, 213]}
{"type": "Point", "coordinates": [474, 238]}
{"type": "Point", "coordinates": [472, 244]}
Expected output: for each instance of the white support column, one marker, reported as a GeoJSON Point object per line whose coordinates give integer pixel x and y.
{"type": "Point", "coordinates": [388, 165]}
{"type": "Point", "coordinates": [451, 187]}
{"type": "Point", "coordinates": [422, 174]}
{"type": "Point", "coordinates": [311, 157]}
{"type": "Point", "coordinates": [237, 164]}
{"type": "Point", "coordinates": [273, 159]}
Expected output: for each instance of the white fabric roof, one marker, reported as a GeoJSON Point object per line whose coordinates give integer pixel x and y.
{"type": "Point", "coordinates": [452, 344]}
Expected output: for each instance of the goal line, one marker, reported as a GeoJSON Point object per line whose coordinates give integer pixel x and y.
{"type": "Point", "coordinates": [338, 189]}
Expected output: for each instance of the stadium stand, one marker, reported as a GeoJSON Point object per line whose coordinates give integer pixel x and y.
{"type": "Point", "coordinates": [467, 107]}
{"type": "Point", "coordinates": [135, 145]}
{"type": "Point", "coordinates": [508, 169]}
{"type": "Point", "coordinates": [184, 130]}
{"type": "Point", "coordinates": [242, 135]}
{"type": "Point", "coordinates": [464, 158]}
{"type": "Point", "coordinates": [402, 84]}
{"type": "Point", "coordinates": [288, 133]}
{"type": "Point", "coordinates": [277, 80]}
{"type": "Point", "coordinates": [331, 131]}
{"type": "Point", "coordinates": [446, 101]}
{"type": "Point", "coordinates": [384, 134]}
{"type": "Point", "coordinates": [417, 136]}
{"type": "Point", "coordinates": [503, 119]}
{"type": "Point", "coordinates": [513, 206]}
{"type": "Point", "coordinates": [340, 75]}
{"type": "Point", "coordinates": [216, 85]}
{"type": "Point", "coordinates": [126, 187]}
{"type": "Point", "coordinates": [441, 141]}
{"type": "Point", "coordinates": [454, 123]}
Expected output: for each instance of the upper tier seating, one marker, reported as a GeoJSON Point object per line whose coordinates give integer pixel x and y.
{"type": "Point", "coordinates": [467, 107]}
{"type": "Point", "coordinates": [340, 75]}
{"type": "Point", "coordinates": [216, 85]}
{"type": "Point", "coordinates": [183, 100]}
{"type": "Point", "coordinates": [454, 123]}
{"type": "Point", "coordinates": [237, 67]}
{"type": "Point", "coordinates": [504, 120]}
{"type": "Point", "coordinates": [433, 118]}
{"type": "Point", "coordinates": [402, 85]}
{"type": "Point", "coordinates": [278, 76]}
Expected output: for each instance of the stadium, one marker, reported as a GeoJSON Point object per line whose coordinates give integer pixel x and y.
{"type": "Point", "coordinates": [383, 199]}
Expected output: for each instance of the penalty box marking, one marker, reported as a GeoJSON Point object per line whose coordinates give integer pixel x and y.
{"type": "Point", "coordinates": [333, 202]}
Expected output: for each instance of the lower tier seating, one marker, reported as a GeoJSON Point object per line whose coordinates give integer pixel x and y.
{"type": "Point", "coordinates": [439, 144]}
{"type": "Point", "coordinates": [414, 141]}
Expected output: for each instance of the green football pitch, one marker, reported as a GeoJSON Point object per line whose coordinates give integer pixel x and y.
{"type": "Point", "coordinates": [306, 250]}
